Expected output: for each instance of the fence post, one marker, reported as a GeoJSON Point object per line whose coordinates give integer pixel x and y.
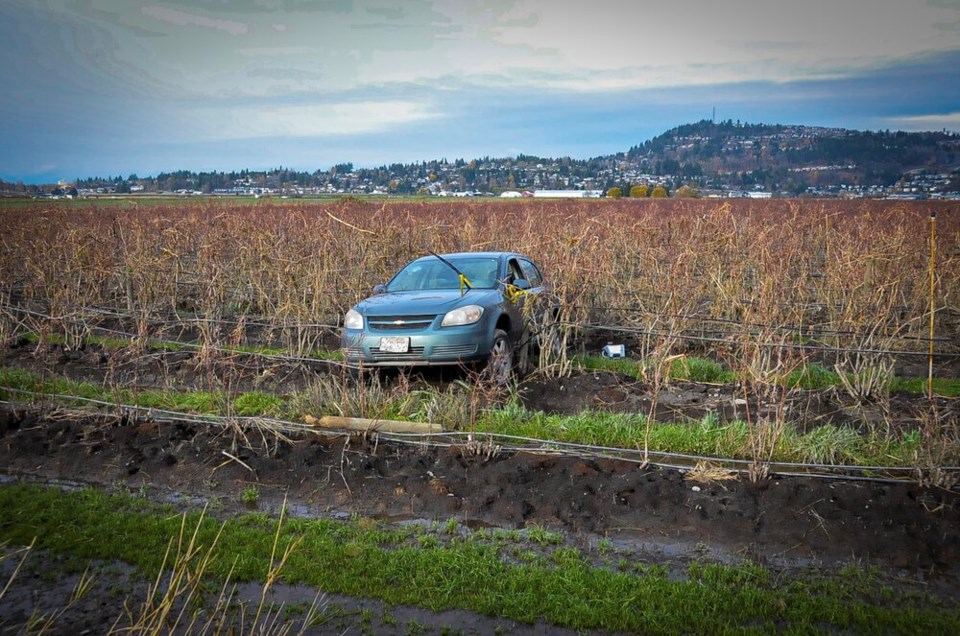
{"type": "Point", "coordinates": [933, 269]}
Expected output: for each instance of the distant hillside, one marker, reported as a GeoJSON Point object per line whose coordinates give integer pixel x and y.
{"type": "Point", "coordinates": [725, 158]}
{"type": "Point", "coordinates": [790, 157]}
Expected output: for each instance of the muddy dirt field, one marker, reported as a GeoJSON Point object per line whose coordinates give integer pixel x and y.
{"type": "Point", "coordinates": [652, 515]}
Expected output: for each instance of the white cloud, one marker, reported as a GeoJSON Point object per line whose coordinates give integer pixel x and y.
{"type": "Point", "coordinates": [948, 121]}
{"type": "Point", "coordinates": [311, 120]}
{"type": "Point", "coordinates": [182, 18]}
{"type": "Point", "coordinates": [45, 168]}
{"type": "Point", "coordinates": [564, 44]}
{"type": "Point", "coordinates": [643, 44]}
{"type": "Point", "coordinates": [261, 52]}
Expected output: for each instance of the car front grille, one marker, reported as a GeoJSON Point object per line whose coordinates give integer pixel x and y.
{"type": "Point", "coordinates": [394, 323]}
{"type": "Point", "coordinates": [454, 350]}
{"type": "Point", "coordinates": [415, 353]}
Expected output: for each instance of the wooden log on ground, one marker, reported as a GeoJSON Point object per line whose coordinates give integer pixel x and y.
{"type": "Point", "coordinates": [367, 424]}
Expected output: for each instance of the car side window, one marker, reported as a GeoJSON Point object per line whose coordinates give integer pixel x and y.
{"type": "Point", "coordinates": [408, 278]}
{"type": "Point", "coordinates": [531, 273]}
{"type": "Point", "coordinates": [513, 271]}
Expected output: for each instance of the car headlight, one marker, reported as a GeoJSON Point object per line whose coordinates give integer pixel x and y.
{"type": "Point", "coordinates": [353, 320]}
{"type": "Point", "coordinates": [462, 316]}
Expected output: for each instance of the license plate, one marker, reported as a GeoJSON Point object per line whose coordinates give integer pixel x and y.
{"type": "Point", "coordinates": [395, 344]}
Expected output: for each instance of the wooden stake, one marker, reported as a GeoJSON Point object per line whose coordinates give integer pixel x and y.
{"type": "Point", "coordinates": [933, 269]}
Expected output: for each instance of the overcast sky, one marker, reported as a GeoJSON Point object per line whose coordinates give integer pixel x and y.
{"type": "Point", "coordinates": [108, 87]}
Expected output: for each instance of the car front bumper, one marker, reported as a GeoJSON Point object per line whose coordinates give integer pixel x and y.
{"type": "Point", "coordinates": [450, 346]}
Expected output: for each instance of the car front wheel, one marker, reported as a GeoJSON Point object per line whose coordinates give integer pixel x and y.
{"type": "Point", "coordinates": [500, 363]}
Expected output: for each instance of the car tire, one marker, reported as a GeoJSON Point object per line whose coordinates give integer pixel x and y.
{"type": "Point", "coordinates": [500, 363]}
{"type": "Point", "coordinates": [524, 354]}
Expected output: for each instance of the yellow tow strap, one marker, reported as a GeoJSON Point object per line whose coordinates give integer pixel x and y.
{"type": "Point", "coordinates": [464, 282]}
{"type": "Point", "coordinates": [514, 293]}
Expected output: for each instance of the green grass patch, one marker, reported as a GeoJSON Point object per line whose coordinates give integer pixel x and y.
{"type": "Point", "coordinates": [947, 387]}
{"type": "Point", "coordinates": [623, 366]}
{"type": "Point", "coordinates": [25, 380]}
{"type": "Point", "coordinates": [257, 403]}
{"type": "Point", "coordinates": [364, 559]}
{"type": "Point", "coordinates": [812, 376]}
{"type": "Point", "coordinates": [687, 368]}
{"type": "Point", "coordinates": [253, 403]}
{"type": "Point", "coordinates": [829, 444]}
{"type": "Point", "coordinates": [708, 437]}
{"type": "Point", "coordinates": [700, 370]}
{"type": "Point", "coordinates": [808, 376]}
{"type": "Point", "coordinates": [111, 343]}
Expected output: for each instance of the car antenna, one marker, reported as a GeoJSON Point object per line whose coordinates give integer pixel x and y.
{"type": "Point", "coordinates": [464, 281]}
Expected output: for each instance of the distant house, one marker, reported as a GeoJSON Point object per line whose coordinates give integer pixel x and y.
{"type": "Point", "coordinates": [568, 194]}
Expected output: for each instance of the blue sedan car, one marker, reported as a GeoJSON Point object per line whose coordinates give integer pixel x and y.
{"type": "Point", "coordinates": [449, 309]}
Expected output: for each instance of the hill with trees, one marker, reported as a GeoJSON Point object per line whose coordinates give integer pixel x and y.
{"type": "Point", "coordinates": [794, 158]}
{"type": "Point", "coordinates": [706, 156]}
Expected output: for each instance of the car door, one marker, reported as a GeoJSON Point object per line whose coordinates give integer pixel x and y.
{"type": "Point", "coordinates": [516, 298]}
{"type": "Point", "coordinates": [531, 273]}
{"type": "Point", "coordinates": [541, 311]}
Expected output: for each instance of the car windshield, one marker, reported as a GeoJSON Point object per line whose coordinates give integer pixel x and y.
{"type": "Point", "coordinates": [432, 273]}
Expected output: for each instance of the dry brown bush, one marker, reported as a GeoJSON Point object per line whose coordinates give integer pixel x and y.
{"type": "Point", "coordinates": [831, 272]}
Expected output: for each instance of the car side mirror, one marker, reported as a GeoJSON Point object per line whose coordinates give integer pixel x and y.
{"type": "Point", "coordinates": [521, 283]}
{"type": "Point", "coordinates": [380, 289]}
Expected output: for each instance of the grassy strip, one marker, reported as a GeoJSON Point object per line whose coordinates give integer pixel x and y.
{"type": "Point", "coordinates": [363, 559]}
{"type": "Point", "coordinates": [112, 343]}
{"type": "Point", "coordinates": [826, 444]}
{"type": "Point", "coordinates": [807, 376]}
{"type": "Point", "coordinates": [253, 403]}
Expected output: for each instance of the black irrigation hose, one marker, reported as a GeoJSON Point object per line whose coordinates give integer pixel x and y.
{"type": "Point", "coordinates": [178, 320]}
{"type": "Point", "coordinates": [174, 319]}
{"type": "Point", "coordinates": [192, 345]}
{"type": "Point", "coordinates": [493, 443]}
{"type": "Point", "coordinates": [195, 346]}
{"type": "Point", "coordinates": [805, 330]}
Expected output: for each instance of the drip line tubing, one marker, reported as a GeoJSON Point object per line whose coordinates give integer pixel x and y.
{"type": "Point", "coordinates": [731, 339]}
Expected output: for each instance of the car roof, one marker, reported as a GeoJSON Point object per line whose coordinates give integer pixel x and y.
{"type": "Point", "coordinates": [480, 254]}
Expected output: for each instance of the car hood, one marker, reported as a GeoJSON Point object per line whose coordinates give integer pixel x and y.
{"type": "Point", "coordinates": [431, 301]}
